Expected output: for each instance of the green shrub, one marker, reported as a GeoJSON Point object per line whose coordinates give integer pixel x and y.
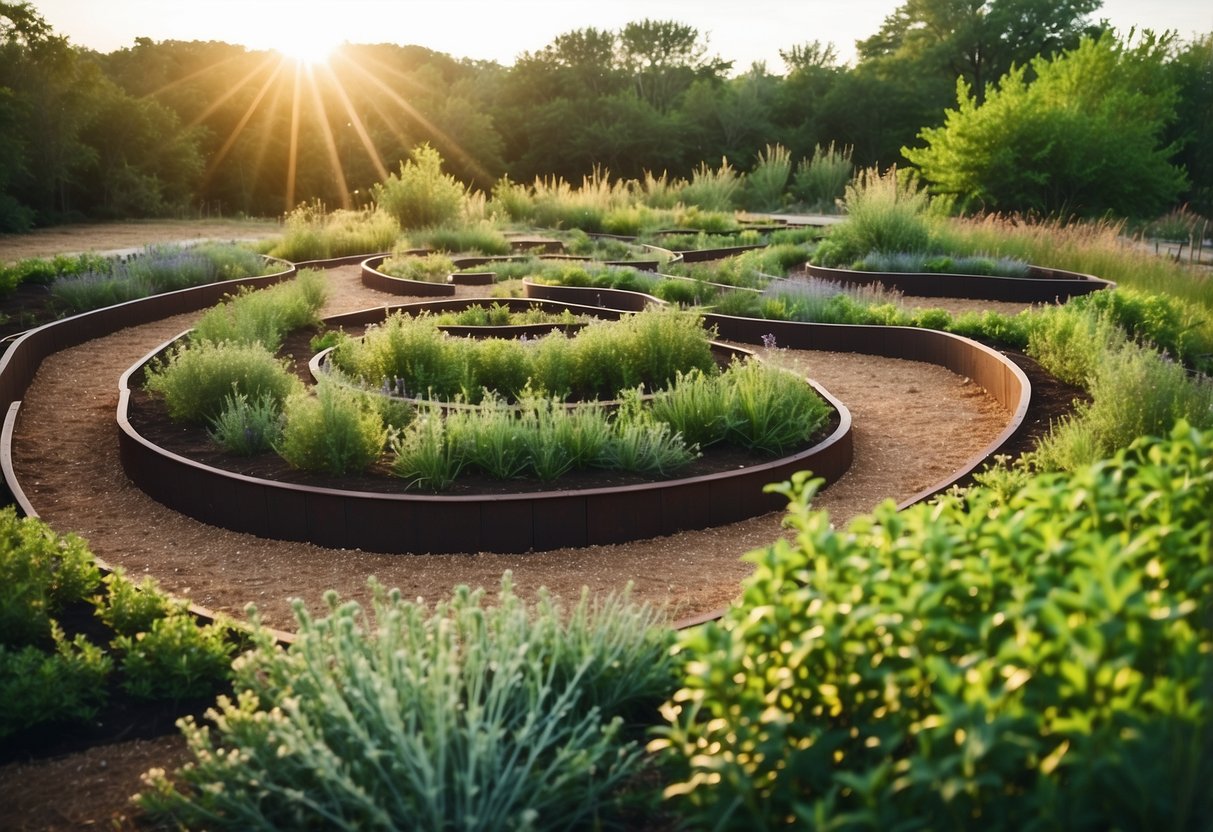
{"type": "Point", "coordinates": [40, 573]}
{"type": "Point", "coordinates": [37, 687]}
{"type": "Point", "coordinates": [314, 233]}
{"type": "Point", "coordinates": [482, 238]}
{"type": "Point", "coordinates": [129, 608]}
{"type": "Point", "coordinates": [421, 195]}
{"type": "Point", "coordinates": [1134, 392]}
{"type": "Point", "coordinates": [885, 213]}
{"type": "Point", "coordinates": [466, 716]}
{"type": "Point", "coordinates": [1070, 343]}
{"type": "Point", "coordinates": [406, 351]}
{"type": "Point", "coordinates": [1180, 328]}
{"type": "Point", "coordinates": [500, 364]}
{"type": "Point", "coordinates": [768, 409]}
{"type": "Point", "coordinates": [175, 659]}
{"type": "Point", "coordinates": [265, 316]}
{"type": "Point", "coordinates": [196, 380]}
{"type": "Point", "coordinates": [336, 431]}
{"type": "Point", "coordinates": [1005, 663]}
{"type": "Point", "coordinates": [247, 427]}
{"type": "Point", "coordinates": [428, 268]}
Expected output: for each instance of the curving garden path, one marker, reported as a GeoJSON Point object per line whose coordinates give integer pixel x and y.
{"type": "Point", "coordinates": [914, 423]}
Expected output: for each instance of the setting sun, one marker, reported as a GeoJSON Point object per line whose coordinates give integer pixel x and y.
{"type": "Point", "coordinates": [307, 41]}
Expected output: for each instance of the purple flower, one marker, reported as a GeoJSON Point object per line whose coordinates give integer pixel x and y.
{"type": "Point", "coordinates": [768, 340]}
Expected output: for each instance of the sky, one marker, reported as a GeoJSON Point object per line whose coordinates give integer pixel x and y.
{"type": "Point", "coordinates": [498, 30]}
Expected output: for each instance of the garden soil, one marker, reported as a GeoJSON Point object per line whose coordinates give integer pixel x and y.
{"type": "Point", "coordinates": [914, 423]}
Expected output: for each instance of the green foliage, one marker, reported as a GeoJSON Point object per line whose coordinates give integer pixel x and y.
{"type": "Point", "coordinates": [821, 181]}
{"type": "Point", "coordinates": [766, 182]}
{"type": "Point", "coordinates": [196, 380]}
{"type": "Point", "coordinates": [314, 233]}
{"type": "Point", "coordinates": [247, 427]}
{"type": "Point", "coordinates": [1038, 658]}
{"type": "Point", "coordinates": [1134, 392]}
{"type": "Point", "coordinates": [40, 573]}
{"type": "Point", "coordinates": [265, 316]}
{"type": "Point", "coordinates": [770, 410]}
{"type": "Point", "coordinates": [37, 687]}
{"type": "Point", "coordinates": [713, 190]}
{"type": "Point", "coordinates": [1084, 138]}
{"type": "Point", "coordinates": [422, 195]}
{"type": "Point", "coordinates": [1179, 328]}
{"type": "Point", "coordinates": [885, 213]}
{"type": "Point", "coordinates": [482, 238]}
{"type": "Point", "coordinates": [427, 454]}
{"type": "Point", "coordinates": [175, 659]}
{"type": "Point", "coordinates": [942, 264]}
{"type": "Point", "coordinates": [129, 608]}
{"type": "Point", "coordinates": [428, 268]}
{"type": "Point", "coordinates": [337, 431]}
{"type": "Point", "coordinates": [469, 716]}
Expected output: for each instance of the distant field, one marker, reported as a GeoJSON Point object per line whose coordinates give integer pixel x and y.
{"type": "Point", "coordinates": [111, 236]}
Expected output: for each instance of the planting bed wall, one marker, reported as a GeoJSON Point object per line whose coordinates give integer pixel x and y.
{"type": "Point", "coordinates": [406, 523]}
{"type": "Point", "coordinates": [1042, 286]}
{"type": "Point", "coordinates": [372, 278]}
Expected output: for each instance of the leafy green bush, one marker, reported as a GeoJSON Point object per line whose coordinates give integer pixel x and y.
{"type": "Point", "coordinates": [1035, 660]}
{"type": "Point", "coordinates": [37, 687]}
{"type": "Point", "coordinates": [337, 430]}
{"type": "Point", "coordinates": [129, 608]}
{"type": "Point", "coordinates": [247, 427]}
{"type": "Point", "coordinates": [196, 380]}
{"type": "Point", "coordinates": [1180, 328]}
{"type": "Point", "coordinates": [40, 573]}
{"type": "Point", "coordinates": [768, 409]}
{"type": "Point", "coordinates": [421, 195]}
{"type": "Point", "coordinates": [466, 716]}
{"type": "Point", "coordinates": [175, 659]}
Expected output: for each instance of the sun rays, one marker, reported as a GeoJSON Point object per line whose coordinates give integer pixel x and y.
{"type": "Point", "coordinates": [326, 143]}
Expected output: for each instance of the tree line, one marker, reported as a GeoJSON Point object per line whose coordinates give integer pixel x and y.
{"type": "Point", "coordinates": [163, 128]}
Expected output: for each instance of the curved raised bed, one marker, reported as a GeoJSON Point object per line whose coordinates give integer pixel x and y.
{"type": "Point", "coordinates": [990, 369]}
{"type": "Point", "coordinates": [620, 299]}
{"type": "Point", "coordinates": [372, 278]}
{"type": "Point", "coordinates": [409, 523]}
{"type": "Point", "coordinates": [1042, 286]}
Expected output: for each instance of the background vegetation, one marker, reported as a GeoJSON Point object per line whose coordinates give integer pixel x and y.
{"type": "Point", "coordinates": [206, 127]}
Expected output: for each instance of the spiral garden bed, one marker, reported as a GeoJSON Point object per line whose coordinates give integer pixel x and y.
{"type": "Point", "coordinates": [502, 521]}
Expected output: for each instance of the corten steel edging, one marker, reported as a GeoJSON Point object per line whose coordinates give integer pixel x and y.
{"type": "Point", "coordinates": [719, 287]}
{"type": "Point", "coordinates": [1052, 284]}
{"type": "Point", "coordinates": [704, 255]}
{"type": "Point", "coordinates": [621, 299]}
{"type": "Point", "coordinates": [376, 314]}
{"type": "Point", "coordinates": [473, 278]}
{"type": "Point", "coordinates": [25, 354]}
{"type": "Point", "coordinates": [372, 278]}
{"type": "Point", "coordinates": [408, 523]}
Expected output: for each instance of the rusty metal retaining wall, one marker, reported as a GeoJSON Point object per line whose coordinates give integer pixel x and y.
{"type": "Point", "coordinates": [1044, 286]}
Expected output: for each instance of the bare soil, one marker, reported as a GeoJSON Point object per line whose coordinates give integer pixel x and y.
{"type": "Point", "coordinates": [107, 237]}
{"type": "Point", "coordinates": [914, 423]}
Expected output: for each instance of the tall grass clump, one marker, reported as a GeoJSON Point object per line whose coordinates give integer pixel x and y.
{"type": "Point", "coordinates": [195, 380]}
{"type": "Point", "coordinates": [407, 351]}
{"type": "Point", "coordinates": [768, 179]}
{"type": "Point", "coordinates": [246, 427]}
{"type": "Point", "coordinates": [995, 661]}
{"type": "Point", "coordinates": [265, 316]}
{"type": "Point", "coordinates": [821, 180]}
{"type": "Point", "coordinates": [659, 192]}
{"type": "Point", "coordinates": [886, 212]}
{"type": "Point", "coordinates": [713, 190]}
{"type": "Point", "coordinates": [428, 453]}
{"type": "Point", "coordinates": [512, 201]}
{"type": "Point", "coordinates": [467, 715]}
{"type": "Point", "coordinates": [337, 430]}
{"type": "Point", "coordinates": [311, 232]}
{"type": "Point", "coordinates": [421, 195]}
